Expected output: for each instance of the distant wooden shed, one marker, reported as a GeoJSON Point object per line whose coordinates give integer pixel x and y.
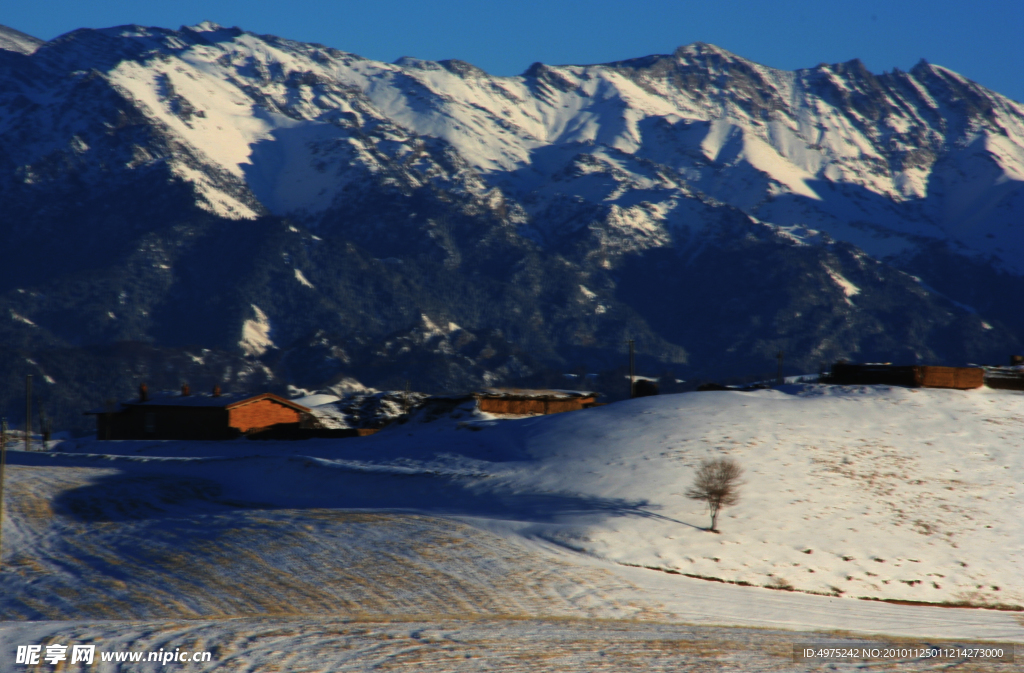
{"type": "Point", "coordinates": [913, 376]}
{"type": "Point", "coordinates": [1006, 378]}
{"type": "Point", "coordinates": [197, 416]}
{"type": "Point", "coordinates": [525, 402]}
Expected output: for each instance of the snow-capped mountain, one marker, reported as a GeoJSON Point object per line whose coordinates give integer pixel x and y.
{"type": "Point", "coordinates": [880, 161]}
{"type": "Point", "coordinates": [16, 41]}
{"type": "Point", "coordinates": [244, 192]}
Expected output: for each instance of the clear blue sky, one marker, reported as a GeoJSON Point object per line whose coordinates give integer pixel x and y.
{"type": "Point", "coordinates": [983, 40]}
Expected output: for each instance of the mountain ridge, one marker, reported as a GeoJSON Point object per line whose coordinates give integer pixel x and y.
{"type": "Point", "coordinates": [16, 41]}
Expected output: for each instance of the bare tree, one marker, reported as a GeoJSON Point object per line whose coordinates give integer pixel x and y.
{"type": "Point", "coordinates": [718, 484]}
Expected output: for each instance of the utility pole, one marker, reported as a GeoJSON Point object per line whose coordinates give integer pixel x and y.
{"type": "Point", "coordinates": [44, 425]}
{"type": "Point", "coordinates": [632, 367]}
{"type": "Point", "coordinates": [3, 464]}
{"type": "Point", "coordinates": [28, 411]}
{"type": "Point", "coordinates": [779, 380]}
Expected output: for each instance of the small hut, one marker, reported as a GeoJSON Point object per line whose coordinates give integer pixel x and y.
{"type": "Point", "coordinates": [524, 402]}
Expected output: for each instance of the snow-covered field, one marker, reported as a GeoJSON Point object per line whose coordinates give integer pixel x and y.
{"type": "Point", "coordinates": [465, 545]}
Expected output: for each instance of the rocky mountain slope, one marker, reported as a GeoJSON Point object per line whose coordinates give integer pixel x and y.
{"type": "Point", "coordinates": [306, 213]}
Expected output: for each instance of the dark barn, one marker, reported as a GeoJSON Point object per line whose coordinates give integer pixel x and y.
{"type": "Point", "coordinates": [913, 376]}
{"type": "Point", "coordinates": [1007, 378]}
{"type": "Point", "coordinates": [187, 416]}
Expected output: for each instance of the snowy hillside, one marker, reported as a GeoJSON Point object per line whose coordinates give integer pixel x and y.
{"type": "Point", "coordinates": [865, 492]}
{"type": "Point", "coordinates": [851, 493]}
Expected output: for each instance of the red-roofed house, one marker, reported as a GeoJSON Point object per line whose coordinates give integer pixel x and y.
{"type": "Point", "coordinates": [199, 416]}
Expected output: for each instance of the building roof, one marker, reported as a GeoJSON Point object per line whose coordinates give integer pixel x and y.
{"type": "Point", "coordinates": [533, 394]}
{"type": "Point", "coordinates": [226, 401]}
{"type": "Point", "coordinates": [316, 400]}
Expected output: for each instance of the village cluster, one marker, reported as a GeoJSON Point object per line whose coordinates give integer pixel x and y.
{"type": "Point", "coordinates": [188, 415]}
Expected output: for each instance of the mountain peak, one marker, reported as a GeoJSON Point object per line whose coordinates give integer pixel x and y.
{"type": "Point", "coordinates": [703, 50]}
{"type": "Point", "coordinates": [17, 41]}
{"type": "Point", "coordinates": [462, 68]}
{"type": "Point", "coordinates": [852, 68]}
{"type": "Point", "coordinates": [206, 27]}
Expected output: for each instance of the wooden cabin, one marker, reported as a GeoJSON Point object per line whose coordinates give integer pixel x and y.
{"type": "Point", "coordinates": [524, 402]}
{"type": "Point", "coordinates": [199, 416]}
{"type": "Point", "coordinates": [913, 376]}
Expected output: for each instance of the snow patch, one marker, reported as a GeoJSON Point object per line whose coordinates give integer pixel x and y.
{"type": "Point", "coordinates": [432, 329]}
{"type": "Point", "coordinates": [21, 318]}
{"type": "Point", "coordinates": [256, 334]}
{"type": "Point", "coordinates": [302, 279]}
{"type": "Point", "coordinates": [848, 288]}
{"type": "Point", "coordinates": [350, 385]}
